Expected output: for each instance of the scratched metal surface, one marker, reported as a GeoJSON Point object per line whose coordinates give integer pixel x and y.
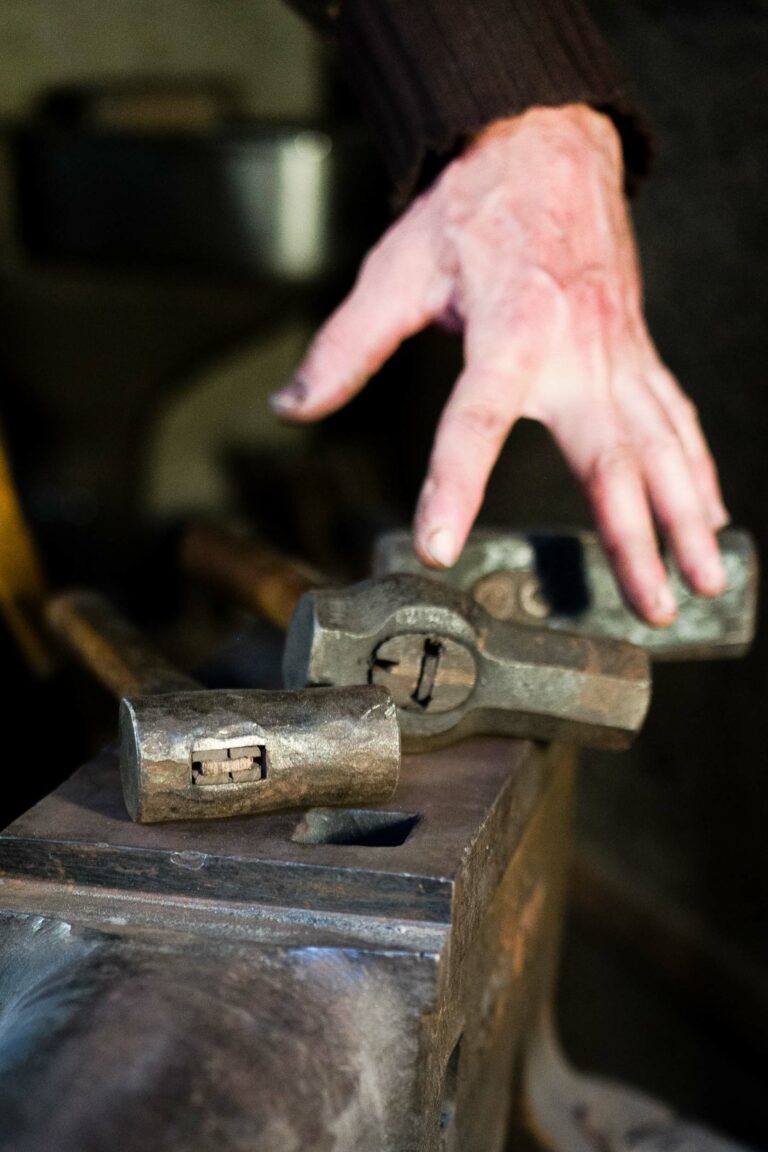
{"type": "Point", "coordinates": [82, 834]}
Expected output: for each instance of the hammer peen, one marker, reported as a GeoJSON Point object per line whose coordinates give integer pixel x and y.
{"type": "Point", "coordinates": [451, 668]}
{"type": "Point", "coordinates": [190, 753]}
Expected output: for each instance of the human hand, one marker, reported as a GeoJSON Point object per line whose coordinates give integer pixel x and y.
{"type": "Point", "coordinates": [525, 242]}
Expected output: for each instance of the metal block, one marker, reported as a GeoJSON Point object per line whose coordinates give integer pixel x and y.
{"type": "Point", "coordinates": [242, 984]}
{"type": "Point", "coordinates": [348, 981]}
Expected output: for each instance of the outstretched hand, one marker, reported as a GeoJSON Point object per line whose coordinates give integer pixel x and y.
{"type": "Point", "coordinates": [525, 242]}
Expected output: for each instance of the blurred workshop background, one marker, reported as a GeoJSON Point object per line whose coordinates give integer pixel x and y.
{"type": "Point", "coordinates": [185, 190]}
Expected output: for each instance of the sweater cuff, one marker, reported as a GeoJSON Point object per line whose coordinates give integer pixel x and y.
{"type": "Point", "coordinates": [429, 74]}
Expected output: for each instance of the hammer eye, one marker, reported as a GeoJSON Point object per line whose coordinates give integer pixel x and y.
{"type": "Point", "coordinates": [215, 766]}
{"type": "Point", "coordinates": [423, 672]}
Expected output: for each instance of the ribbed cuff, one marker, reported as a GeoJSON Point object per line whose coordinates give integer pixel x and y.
{"type": "Point", "coordinates": [431, 73]}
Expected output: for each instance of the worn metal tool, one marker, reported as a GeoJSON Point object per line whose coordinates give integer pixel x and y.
{"type": "Point", "coordinates": [452, 670]}
{"type": "Point", "coordinates": [188, 753]}
{"type": "Point", "coordinates": [564, 1110]}
{"type": "Point", "coordinates": [563, 580]}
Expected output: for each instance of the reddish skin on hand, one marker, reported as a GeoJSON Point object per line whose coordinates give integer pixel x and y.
{"type": "Point", "coordinates": [526, 240]}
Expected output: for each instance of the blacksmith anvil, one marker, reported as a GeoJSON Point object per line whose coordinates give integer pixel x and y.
{"type": "Point", "coordinates": [372, 980]}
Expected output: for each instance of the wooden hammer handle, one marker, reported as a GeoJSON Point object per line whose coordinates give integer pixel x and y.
{"type": "Point", "coordinates": [110, 647]}
{"type": "Point", "coordinates": [261, 581]}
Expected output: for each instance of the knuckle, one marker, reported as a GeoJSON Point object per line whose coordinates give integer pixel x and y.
{"type": "Point", "coordinates": [614, 462]}
{"type": "Point", "coordinates": [658, 448]}
{"type": "Point", "coordinates": [596, 296]}
{"type": "Point", "coordinates": [486, 422]}
{"type": "Point", "coordinates": [447, 484]}
{"type": "Point", "coordinates": [429, 488]}
{"type": "Point", "coordinates": [439, 478]}
{"type": "Point", "coordinates": [542, 305]}
{"type": "Point", "coordinates": [680, 402]}
{"type": "Point", "coordinates": [691, 536]}
{"type": "Point", "coordinates": [337, 358]}
{"type": "Point", "coordinates": [684, 525]}
{"type": "Point", "coordinates": [604, 302]}
{"type": "Point", "coordinates": [330, 347]}
{"type": "Point", "coordinates": [627, 544]}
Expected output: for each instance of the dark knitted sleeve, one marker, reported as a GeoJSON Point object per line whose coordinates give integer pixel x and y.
{"type": "Point", "coordinates": [430, 73]}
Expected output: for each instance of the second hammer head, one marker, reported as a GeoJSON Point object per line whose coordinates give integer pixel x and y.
{"type": "Point", "coordinates": [563, 580]}
{"type": "Point", "coordinates": [453, 670]}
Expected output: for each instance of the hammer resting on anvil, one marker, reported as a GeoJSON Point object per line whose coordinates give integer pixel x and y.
{"type": "Point", "coordinates": [190, 753]}
{"type": "Point", "coordinates": [451, 668]}
{"type": "Point", "coordinates": [561, 579]}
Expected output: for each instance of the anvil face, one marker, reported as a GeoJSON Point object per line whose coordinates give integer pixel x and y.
{"type": "Point", "coordinates": [329, 978]}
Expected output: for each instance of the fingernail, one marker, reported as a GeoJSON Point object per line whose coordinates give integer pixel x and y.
{"type": "Point", "coordinates": [441, 546]}
{"type": "Point", "coordinates": [712, 576]}
{"type": "Point", "coordinates": [666, 605]}
{"type": "Point", "coordinates": [290, 398]}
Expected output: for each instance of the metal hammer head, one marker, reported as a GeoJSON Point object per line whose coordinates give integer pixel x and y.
{"type": "Point", "coordinates": [453, 670]}
{"type": "Point", "coordinates": [563, 580]}
{"type": "Point", "coordinates": [194, 755]}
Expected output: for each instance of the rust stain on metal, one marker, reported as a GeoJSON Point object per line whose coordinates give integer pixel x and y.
{"type": "Point", "coordinates": [527, 928]}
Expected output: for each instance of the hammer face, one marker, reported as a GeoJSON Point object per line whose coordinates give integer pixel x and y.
{"type": "Point", "coordinates": [227, 753]}
{"type": "Point", "coordinates": [498, 678]}
{"type": "Point", "coordinates": [563, 581]}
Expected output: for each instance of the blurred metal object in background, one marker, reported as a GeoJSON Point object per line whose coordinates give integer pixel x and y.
{"type": "Point", "coordinates": [144, 177]}
{"type": "Point", "coordinates": [571, 1112]}
{"type": "Point", "coordinates": [174, 257]}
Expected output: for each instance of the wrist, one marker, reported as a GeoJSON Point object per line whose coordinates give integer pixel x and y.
{"type": "Point", "coordinates": [562, 125]}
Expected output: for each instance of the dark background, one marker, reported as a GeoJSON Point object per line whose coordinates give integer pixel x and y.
{"type": "Point", "coordinates": [116, 364]}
